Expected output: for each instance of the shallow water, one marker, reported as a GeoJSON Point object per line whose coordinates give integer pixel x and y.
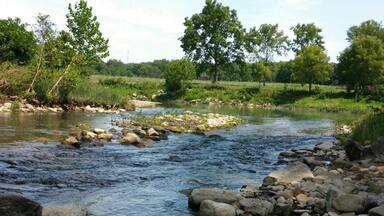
{"type": "Point", "coordinates": [124, 180]}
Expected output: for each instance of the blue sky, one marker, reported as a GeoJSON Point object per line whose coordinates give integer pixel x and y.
{"type": "Point", "coordinates": [144, 30]}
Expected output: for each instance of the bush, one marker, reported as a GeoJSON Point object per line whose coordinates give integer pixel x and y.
{"type": "Point", "coordinates": [14, 79]}
{"type": "Point", "coordinates": [369, 128]}
{"type": "Point", "coordinates": [177, 75]}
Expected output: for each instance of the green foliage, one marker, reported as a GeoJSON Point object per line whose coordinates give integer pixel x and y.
{"type": "Point", "coordinates": [14, 79]}
{"type": "Point", "coordinates": [369, 128]}
{"type": "Point", "coordinates": [305, 35]}
{"type": "Point", "coordinates": [177, 74]}
{"type": "Point", "coordinates": [267, 41]}
{"type": "Point", "coordinates": [262, 72]}
{"type": "Point", "coordinates": [17, 44]}
{"type": "Point", "coordinates": [214, 37]}
{"type": "Point", "coordinates": [86, 39]}
{"type": "Point", "coordinates": [312, 65]}
{"type": "Point", "coordinates": [285, 71]}
{"type": "Point", "coordinates": [362, 64]}
{"type": "Point", "coordinates": [366, 28]}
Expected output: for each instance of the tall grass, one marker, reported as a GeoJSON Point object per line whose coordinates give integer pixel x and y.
{"type": "Point", "coordinates": [369, 128]}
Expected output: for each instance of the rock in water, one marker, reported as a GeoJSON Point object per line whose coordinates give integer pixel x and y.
{"type": "Point", "coordinates": [256, 206]}
{"type": "Point", "coordinates": [377, 211]}
{"type": "Point", "coordinates": [130, 138]}
{"type": "Point", "coordinates": [293, 172]}
{"type": "Point", "coordinates": [105, 136]}
{"type": "Point", "coordinates": [199, 195]}
{"type": "Point", "coordinates": [152, 132]}
{"type": "Point", "coordinates": [98, 130]}
{"type": "Point", "coordinates": [348, 203]}
{"type": "Point", "coordinates": [65, 211]}
{"type": "Point", "coordinates": [71, 141]}
{"type": "Point", "coordinates": [212, 208]}
{"type": "Point", "coordinates": [16, 205]}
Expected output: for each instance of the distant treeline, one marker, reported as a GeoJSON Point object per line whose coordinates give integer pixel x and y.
{"type": "Point", "coordinates": [282, 71]}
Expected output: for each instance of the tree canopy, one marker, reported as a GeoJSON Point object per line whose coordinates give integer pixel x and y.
{"type": "Point", "coordinates": [367, 28]}
{"type": "Point", "coordinates": [214, 37]}
{"type": "Point", "coordinates": [268, 41]}
{"type": "Point", "coordinates": [17, 44]}
{"type": "Point", "coordinates": [305, 35]}
{"type": "Point", "coordinates": [362, 63]}
{"type": "Point", "coordinates": [312, 65]}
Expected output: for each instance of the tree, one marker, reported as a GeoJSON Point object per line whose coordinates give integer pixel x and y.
{"type": "Point", "coordinates": [214, 37]}
{"type": "Point", "coordinates": [177, 74]}
{"type": "Point", "coordinates": [312, 65]}
{"type": "Point", "coordinates": [17, 44]}
{"type": "Point", "coordinates": [367, 28]}
{"type": "Point", "coordinates": [85, 38]}
{"type": "Point", "coordinates": [305, 35]}
{"type": "Point", "coordinates": [362, 63]}
{"type": "Point", "coordinates": [261, 72]}
{"type": "Point", "coordinates": [44, 31]}
{"type": "Point", "coordinates": [267, 41]}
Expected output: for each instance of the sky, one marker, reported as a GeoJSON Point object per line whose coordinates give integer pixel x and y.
{"type": "Point", "coordinates": [145, 30]}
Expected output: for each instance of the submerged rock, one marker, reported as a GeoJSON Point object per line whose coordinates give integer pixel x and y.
{"type": "Point", "coordinates": [72, 141]}
{"type": "Point", "coordinates": [293, 172]}
{"type": "Point", "coordinates": [17, 205]}
{"type": "Point", "coordinates": [218, 195]}
{"type": "Point", "coordinates": [212, 208]}
{"type": "Point", "coordinates": [65, 211]}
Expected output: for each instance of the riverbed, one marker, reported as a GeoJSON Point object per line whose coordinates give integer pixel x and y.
{"type": "Point", "coordinates": [125, 180]}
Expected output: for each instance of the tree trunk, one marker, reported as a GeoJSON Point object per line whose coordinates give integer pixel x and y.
{"type": "Point", "coordinates": [60, 78]}
{"type": "Point", "coordinates": [215, 74]}
{"type": "Point", "coordinates": [37, 71]}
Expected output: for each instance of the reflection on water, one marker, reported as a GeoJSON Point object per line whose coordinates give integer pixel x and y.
{"type": "Point", "coordinates": [124, 180]}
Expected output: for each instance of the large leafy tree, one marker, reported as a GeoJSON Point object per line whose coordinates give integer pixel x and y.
{"type": "Point", "coordinates": [312, 65]}
{"type": "Point", "coordinates": [305, 35]}
{"type": "Point", "coordinates": [214, 37]}
{"type": "Point", "coordinates": [366, 28]}
{"type": "Point", "coordinates": [84, 38]}
{"type": "Point", "coordinates": [268, 41]}
{"type": "Point", "coordinates": [362, 63]}
{"type": "Point", "coordinates": [17, 44]}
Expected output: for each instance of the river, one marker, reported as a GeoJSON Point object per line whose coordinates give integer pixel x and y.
{"type": "Point", "coordinates": [124, 180]}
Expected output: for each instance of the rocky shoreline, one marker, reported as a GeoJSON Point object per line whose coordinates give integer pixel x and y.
{"type": "Point", "coordinates": [328, 180]}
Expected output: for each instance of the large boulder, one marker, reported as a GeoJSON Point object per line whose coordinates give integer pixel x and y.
{"type": "Point", "coordinates": [105, 136]}
{"type": "Point", "coordinates": [257, 207]}
{"type": "Point", "coordinates": [325, 146]}
{"type": "Point", "coordinates": [70, 210]}
{"type": "Point", "coordinates": [212, 208]}
{"type": "Point", "coordinates": [293, 172]}
{"type": "Point", "coordinates": [377, 211]}
{"type": "Point", "coordinates": [218, 195]}
{"type": "Point", "coordinates": [72, 141]}
{"type": "Point", "coordinates": [348, 203]}
{"type": "Point", "coordinates": [16, 205]}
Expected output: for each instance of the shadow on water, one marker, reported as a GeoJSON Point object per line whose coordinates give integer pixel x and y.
{"type": "Point", "coordinates": [123, 180]}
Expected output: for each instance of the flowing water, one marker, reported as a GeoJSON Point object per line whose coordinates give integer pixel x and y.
{"type": "Point", "coordinates": [124, 180]}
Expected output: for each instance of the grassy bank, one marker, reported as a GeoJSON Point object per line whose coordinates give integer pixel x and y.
{"type": "Point", "coordinates": [113, 90]}
{"type": "Point", "coordinates": [369, 128]}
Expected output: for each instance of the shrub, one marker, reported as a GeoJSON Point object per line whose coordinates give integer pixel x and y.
{"type": "Point", "coordinates": [14, 79]}
{"type": "Point", "coordinates": [177, 75]}
{"type": "Point", "coordinates": [369, 128]}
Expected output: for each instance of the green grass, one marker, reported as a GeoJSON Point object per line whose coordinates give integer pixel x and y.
{"type": "Point", "coordinates": [369, 128]}
{"type": "Point", "coordinates": [107, 90]}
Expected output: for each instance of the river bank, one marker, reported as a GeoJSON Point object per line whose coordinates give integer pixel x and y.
{"type": "Point", "coordinates": [328, 179]}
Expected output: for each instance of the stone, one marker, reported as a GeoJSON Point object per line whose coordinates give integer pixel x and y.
{"type": "Point", "coordinates": [324, 146]}
{"type": "Point", "coordinates": [348, 203]}
{"type": "Point", "coordinates": [140, 132]}
{"type": "Point", "coordinates": [269, 180]}
{"type": "Point", "coordinates": [90, 135]}
{"type": "Point", "coordinates": [340, 163]}
{"type": "Point", "coordinates": [52, 109]}
{"type": "Point", "coordinates": [377, 211]}
{"type": "Point", "coordinates": [293, 172]}
{"type": "Point", "coordinates": [320, 171]}
{"type": "Point", "coordinates": [65, 211]}
{"type": "Point", "coordinates": [7, 105]}
{"type": "Point", "coordinates": [130, 138]}
{"type": "Point", "coordinates": [17, 205]}
{"type": "Point", "coordinates": [302, 199]}
{"type": "Point", "coordinates": [312, 162]}
{"type": "Point", "coordinates": [256, 206]}
{"type": "Point", "coordinates": [218, 195]}
{"type": "Point", "coordinates": [71, 141]}
{"type": "Point", "coordinates": [105, 136]}
{"type": "Point", "coordinates": [212, 208]}
{"type": "Point", "coordinates": [152, 132]}
{"type": "Point", "coordinates": [378, 148]}
{"type": "Point", "coordinates": [354, 151]}
{"type": "Point", "coordinates": [287, 154]}
{"type": "Point", "coordinates": [98, 130]}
